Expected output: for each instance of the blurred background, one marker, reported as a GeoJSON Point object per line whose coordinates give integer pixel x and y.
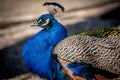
{"type": "Point", "coordinates": [16, 16]}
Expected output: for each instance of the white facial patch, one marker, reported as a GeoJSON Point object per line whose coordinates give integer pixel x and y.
{"type": "Point", "coordinates": [46, 22]}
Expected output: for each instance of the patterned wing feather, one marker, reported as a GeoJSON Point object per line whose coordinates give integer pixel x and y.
{"type": "Point", "coordinates": [103, 53]}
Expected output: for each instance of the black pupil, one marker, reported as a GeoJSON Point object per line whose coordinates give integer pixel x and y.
{"type": "Point", "coordinates": [43, 20]}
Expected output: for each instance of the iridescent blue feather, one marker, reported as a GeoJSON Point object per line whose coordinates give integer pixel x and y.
{"type": "Point", "coordinates": [37, 52]}
{"type": "Point", "coordinates": [81, 69]}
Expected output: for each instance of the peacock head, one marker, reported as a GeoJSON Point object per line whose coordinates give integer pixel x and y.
{"type": "Point", "coordinates": [45, 21]}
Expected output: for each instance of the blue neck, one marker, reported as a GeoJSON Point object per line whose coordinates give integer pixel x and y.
{"type": "Point", "coordinates": [38, 50]}
{"type": "Point", "coordinates": [50, 27]}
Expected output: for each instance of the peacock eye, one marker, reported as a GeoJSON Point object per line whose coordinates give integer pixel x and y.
{"type": "Point", "coordinates": [41, 21]}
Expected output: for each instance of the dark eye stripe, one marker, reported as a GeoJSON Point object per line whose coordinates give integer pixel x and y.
{"type": "Point", "coordinates": [41, 20]}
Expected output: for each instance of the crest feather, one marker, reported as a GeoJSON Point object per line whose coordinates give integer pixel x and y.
{"type": "Point", "coordinates": [54, 7]}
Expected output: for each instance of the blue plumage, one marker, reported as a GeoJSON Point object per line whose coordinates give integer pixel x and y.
{"type": "Point", "coordinates": [37, 52]}
{"type": "Point", "coordinates": [81, 69]}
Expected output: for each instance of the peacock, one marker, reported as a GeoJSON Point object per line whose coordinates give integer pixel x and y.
{"type": "Point", "coordinates": [83, 53]}
{"type": "Point", "coordinates": [53, 55]}
{"type": "Point", "coordinates": [37, 52]}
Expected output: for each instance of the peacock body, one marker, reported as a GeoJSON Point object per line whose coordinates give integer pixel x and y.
{"type": "Point", "coordinates": [37, 52]}
{"type": "Point", "coordinates": [99, 48]}
{"type": "Point", "coordinates": [78, 53]}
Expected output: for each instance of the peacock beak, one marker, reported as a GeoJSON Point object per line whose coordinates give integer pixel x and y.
{"type": "Point", "coordinates": [34, 24]}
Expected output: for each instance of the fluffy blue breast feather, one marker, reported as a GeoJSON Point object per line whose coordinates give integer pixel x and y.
{"type": "Point", "coordinates": [37, 52]}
